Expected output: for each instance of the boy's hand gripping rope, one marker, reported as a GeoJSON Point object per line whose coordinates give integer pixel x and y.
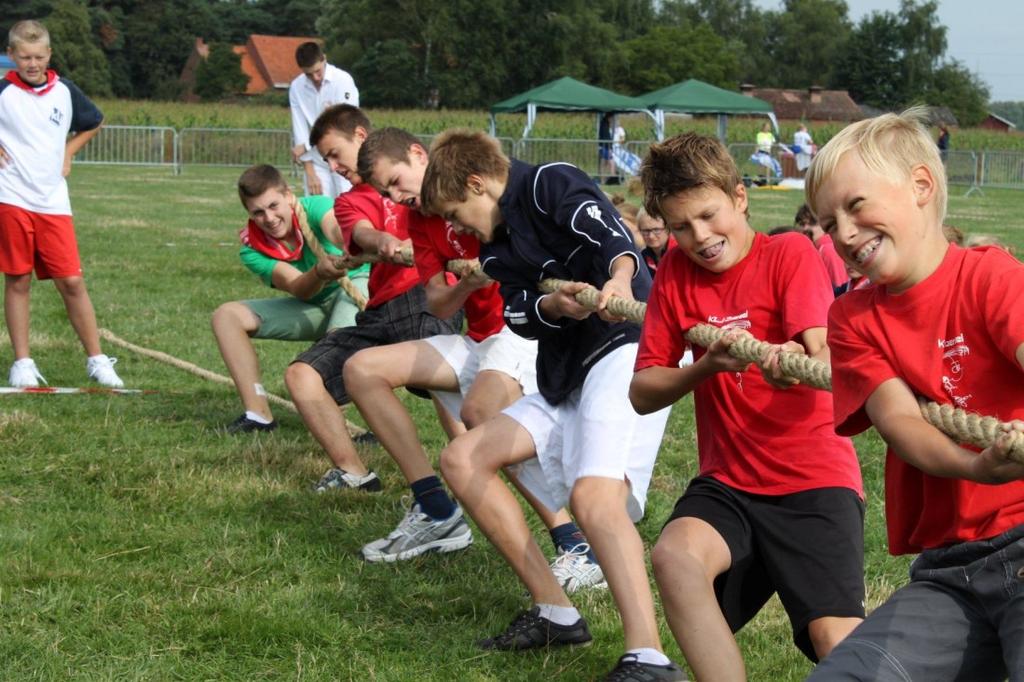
{"type": "Point", "coordinates": [960, 425]}
{"type": "Point", "coordinates": [318, 250]}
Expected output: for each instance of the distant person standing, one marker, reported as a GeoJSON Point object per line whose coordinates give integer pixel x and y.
{"type": "Point", "coordinates": [803, 147]}
{"type": "Point", "coordinates": [943, 142]}
{"type": "Point", "coordinates": [319, 86]}
{"type": "Point", "coordinates": [605, 135]}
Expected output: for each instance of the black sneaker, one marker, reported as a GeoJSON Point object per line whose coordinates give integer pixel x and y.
{"type": "Point", "coordinates": [630, 669]}
{"type": "Point", "coordinates": [245, 425]}
{"type": "Point", "coordinates": [529, 631]}
{"type": "Point", "coordinates": [367, 439]}
{"type": "Point", "coordinates": [339, 479]}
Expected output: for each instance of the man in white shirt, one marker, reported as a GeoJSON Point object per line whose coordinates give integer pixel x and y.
{"type": "Point", "coordinates": [319, 86]}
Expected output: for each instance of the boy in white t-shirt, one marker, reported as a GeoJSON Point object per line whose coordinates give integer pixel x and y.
{"type": "Point", "coordinates": [38, 109]}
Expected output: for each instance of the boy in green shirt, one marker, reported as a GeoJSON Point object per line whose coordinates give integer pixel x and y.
{"type": "Point", "coordinates": [274, 248]}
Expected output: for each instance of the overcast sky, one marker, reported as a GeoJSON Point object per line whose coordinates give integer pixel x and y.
{"type": "Point", "coordinates": [986, 35]}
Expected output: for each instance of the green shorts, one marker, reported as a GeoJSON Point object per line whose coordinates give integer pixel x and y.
{"type": "Point", "coordinates": [287, 318]}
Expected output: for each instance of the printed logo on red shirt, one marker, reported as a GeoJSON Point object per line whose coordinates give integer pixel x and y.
{"type": "Point", "coordinates": [453, 239]}
{"type": "Point", "coordinates": [390, 216]}
{"type": "Point", "coordinates": [954, 351]}
{"type": "Point", "coordinates": [740, 321]}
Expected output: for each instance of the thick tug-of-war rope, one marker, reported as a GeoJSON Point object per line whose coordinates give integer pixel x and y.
{"type": "Point", "coordinates": [960, 425]}
{"type": "Point", "coordinates": [160, 356]}
{"type": "Point", "coordinates": [318, 250]}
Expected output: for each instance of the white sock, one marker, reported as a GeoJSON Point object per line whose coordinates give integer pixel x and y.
{"type": "Point", "coordinates": [252, 416]}
{"type": "Point", "coordinates": [559, 615]}
{"type": "Point", "coordinates": [101, 356]}
{"type": "Point", "coordinates": [649, 655]}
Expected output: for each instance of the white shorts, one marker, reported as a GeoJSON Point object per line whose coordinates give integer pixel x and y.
{"type": "Point", "coordinates": [331, 184]}
{"type": "Point", "coordinates": [594, 432]}
{"type": "Point", "coordinates": [504, 352]}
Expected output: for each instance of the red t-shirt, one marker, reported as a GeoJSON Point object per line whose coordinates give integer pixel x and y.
{"type": "Point", "coordinates": [435, 243]}
{"type": "Point", "coordinates": [952, 338]}
{"type": "Point", "coordinates": [834, 265]}
{"type": "Point", "coordinates": [751, 436]}
{"type": "Point", "coordinates": [363, 202]}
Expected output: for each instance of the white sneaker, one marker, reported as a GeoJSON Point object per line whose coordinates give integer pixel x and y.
{"type": "Point", "coordinates": [575, 571]}
{"type": "Point", "coordinates": [417, 534]}
{"type": "Point", "coordinates": [24, 374]}
{"type": "Point", "coordinates": [101, 370]}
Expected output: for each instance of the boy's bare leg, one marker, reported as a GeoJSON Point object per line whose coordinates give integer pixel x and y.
{"type": "Point", "coordinates": [80, 312]}
{"type": "Point", "coordinates": [827, 632]}
{"type": "Point", "coordinates": [491, 392]}
{"type": "Point", "coordinates": [232, 325]}
{"type": "Point", "coordinates": [471, 464]}
{"type": "Point", "coordinates": [599, 505]}
{"type": "Point", "coordinates": [16, 312]}
{"type": "Point", "coordinates": [688, 557]}
{"type": "Point", "coordinates": [371, 377]}
{"type": "Point", "coordinates": [324, 419]}
{"type": "Point", "coordinates": [451, 425]}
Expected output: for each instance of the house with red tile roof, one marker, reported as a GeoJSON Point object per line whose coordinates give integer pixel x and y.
{"type": "Point", "coordinates": [268, 61]}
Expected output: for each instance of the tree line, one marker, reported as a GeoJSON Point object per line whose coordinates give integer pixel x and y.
{"type": "Point", "coordinates": [472, 53]}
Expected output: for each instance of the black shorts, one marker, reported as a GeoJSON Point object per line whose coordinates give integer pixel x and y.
{"type": "Point", "coordinates": [807, 546]}
{"type": "Point", "coordinates": [403, 318]}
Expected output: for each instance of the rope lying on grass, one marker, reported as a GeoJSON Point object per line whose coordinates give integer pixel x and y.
{"type": "Point", "coordinates": [72, 390]}
{"type": "Point", "coordinates": [960, 425]}
{"type": "Point", "coordinates": [160, 356]}
{"type": "Point", "coordinates": [318, 250]}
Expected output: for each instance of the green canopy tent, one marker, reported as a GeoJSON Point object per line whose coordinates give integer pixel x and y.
{"type": "Point", "coordinates": [697, 97]}
{"type": "Point", "coordinates": [565, 94]}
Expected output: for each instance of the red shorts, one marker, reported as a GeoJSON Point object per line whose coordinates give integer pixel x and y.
{"type": "Point", "coordinates": [45, 243]}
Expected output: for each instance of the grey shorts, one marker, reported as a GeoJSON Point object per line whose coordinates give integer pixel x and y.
{"type": "Point", "coordinates": [403, 318]}
{"type": "Point", "coordinates": [961, 619]}
{"type": "Point", "coordinates": [286, 318]}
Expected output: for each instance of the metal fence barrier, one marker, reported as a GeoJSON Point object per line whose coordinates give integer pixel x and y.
{"type": "Point", "coordinates": [240, 147]}
{"type": "Point", "coordinates": [132, 146]}
{"type": "Point", "coordinates": [234, 147]}
{"type": "Point", "coordinates": [581, 153]}
{"type": "Point", "coordinates": [1002, 169]}
{"type": "Point", "coordinates": [963, 168]}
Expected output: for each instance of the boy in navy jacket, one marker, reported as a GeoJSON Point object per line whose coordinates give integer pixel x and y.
{"type": "Point", "coordinates": [578, 441]}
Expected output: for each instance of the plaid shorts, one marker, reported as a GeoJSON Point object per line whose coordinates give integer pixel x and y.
{"type": "Point", "coordinates": [403, 318]}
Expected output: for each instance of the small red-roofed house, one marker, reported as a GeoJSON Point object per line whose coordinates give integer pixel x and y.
{"type": "Point", "coordinates": [268, 61]}
{"type": "Point", "coordinates": [997, 122]}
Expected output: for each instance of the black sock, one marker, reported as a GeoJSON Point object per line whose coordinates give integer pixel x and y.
{"type": "Point", "coordinates": [432, 498]}
{"type": "Point", "coordinates": [568, 536]}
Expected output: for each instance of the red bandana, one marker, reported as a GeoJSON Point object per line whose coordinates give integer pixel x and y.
{"type": "Point", "coordinates": [51, 80]}
{"type": "Point", "coordinates": [256, 238]}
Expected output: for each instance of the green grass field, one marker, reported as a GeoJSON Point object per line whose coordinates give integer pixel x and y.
{"type": "Point", "coordinates": [137, 541]}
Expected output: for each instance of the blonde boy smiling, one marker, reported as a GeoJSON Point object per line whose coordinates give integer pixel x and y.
{"type": "Point", "coordinates": [944, 324]}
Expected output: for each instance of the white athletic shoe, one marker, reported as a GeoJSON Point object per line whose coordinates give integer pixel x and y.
{"type": "Point", "coordinates": [575, 571]}
{"type": "Point", "coordinates": [101, 370]}
{"type": "Point", "coordinates": [25, 374]}
{"type": "Point", "coordinates": [417, 534]}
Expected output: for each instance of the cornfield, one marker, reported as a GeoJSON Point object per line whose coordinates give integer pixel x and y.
{"type": "Point", "coordinates": [574, 126]}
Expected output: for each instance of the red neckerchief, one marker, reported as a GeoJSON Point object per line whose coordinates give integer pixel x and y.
{"type": "Point", "coordinates": [51, 80]}
{"type": "Point", "coordinates": [256, 238]}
